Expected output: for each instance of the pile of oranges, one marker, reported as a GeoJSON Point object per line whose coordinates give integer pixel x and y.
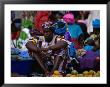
{"type": "Point", "coordinates": [74, 73]}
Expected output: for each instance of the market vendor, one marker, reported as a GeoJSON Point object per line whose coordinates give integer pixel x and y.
{"type": "Point", "coordinates": [50, 44]}
{"type": "Point", "coordinates": [75, 31]}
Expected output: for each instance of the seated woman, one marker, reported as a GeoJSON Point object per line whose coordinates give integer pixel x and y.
{"type": "Point", "coordinates": [48, 45]}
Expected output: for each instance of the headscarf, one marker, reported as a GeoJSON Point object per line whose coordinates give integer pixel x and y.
{"type": "Point", "coordinates": [59, 28]}
{"type": "Point", "coordinates": [69, 18]}
{"type": "Point", "coordinates": [96, 23]}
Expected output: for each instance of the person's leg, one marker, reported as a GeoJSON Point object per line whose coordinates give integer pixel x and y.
{"type": "Point", "coordinates": [57, 62]}
{"type": "Point", "coordinates": [39, 60]}
{"type": "Point", "coordinates": [36, 54]}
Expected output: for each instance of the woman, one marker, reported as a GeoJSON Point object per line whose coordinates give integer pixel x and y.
{"type": "Point", "coordinates": [48, 46]}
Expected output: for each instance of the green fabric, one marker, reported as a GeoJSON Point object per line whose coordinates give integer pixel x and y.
{"type": "Point", "coordinates": [23, 35]}
{"type": "Point", "coordinates": [27, 23]}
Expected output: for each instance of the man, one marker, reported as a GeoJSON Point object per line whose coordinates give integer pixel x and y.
{"type": "Point", "coordinates": [50, 44]}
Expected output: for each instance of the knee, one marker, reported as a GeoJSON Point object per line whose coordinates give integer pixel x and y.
{"type": "Point", "coordinates": [29, 45]}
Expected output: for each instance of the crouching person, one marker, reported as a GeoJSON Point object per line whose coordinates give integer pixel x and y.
{"type": "Point", "coordinates": [49, 44]}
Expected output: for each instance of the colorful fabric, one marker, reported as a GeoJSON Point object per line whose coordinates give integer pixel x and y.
{"type": "Point", "coordinates": [15, 51]}
{"type": "Point", "coordinates": [67, 36]}
{"type": "Point", "coordinates": [74, 30]}
{"type": "Point", "coordinates": [24, 36]}
{"type": "Point", "coordinates": [26, 23]}
{"type": "Point", "coordinates": [88, 60]}
{"type": "Point", "coordinates": [24, 54]}
{"type": "Point", "coordinates": [15, 35]}
{"type": "Point", "coordinates": [59, 28]}
{"type": "Point", "coordinates": [47, 25]}
{"type": "Point", "coordinates": [69, 18]}
{"type": "Point", "coordinates": [96, 23]}
{"type": "Point", "coordinates": [77, 45]}
{"type": "Point", "coordinates": [72, 51]}
{"type": "Point", "coordinates": [40, 18]}
{"type": "Point", "coordinates": [88, 48]}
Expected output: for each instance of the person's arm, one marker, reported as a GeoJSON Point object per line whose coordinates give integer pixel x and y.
{"type": "Point", "coordinates": [32, 47]}
{"type": "Point", "coordinates": [58, 45]}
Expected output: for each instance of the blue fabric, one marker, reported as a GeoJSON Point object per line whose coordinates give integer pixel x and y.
{"type": "Point", "coordinates": [24, 54]}
{"type": "Point", "coordinates": [96, 23]}
{"type": "Point", "coordinates": [71, 50]}
{"type": "Point", "coordinates": [15, 51]}
{"type": "Point", "coordinates": [74, 30]}
{"type": "Point", "coordinates": [88, 48]}
{"type": "Point", "coordinates": [22, 67]}
{"type": "Point", "coordinates": [60, 28]}
{"type": "Point", "coordinates": [67, 36]}
{"type": "Point", "coordinates": [98, 52]}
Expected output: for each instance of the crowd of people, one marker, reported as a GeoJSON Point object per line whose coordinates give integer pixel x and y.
{"type": "Point", "coordinates": [57, 40]}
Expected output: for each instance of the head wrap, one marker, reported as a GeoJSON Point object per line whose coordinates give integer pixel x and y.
{"type": "Point", "coordinates": [39, 19]}
{"type": "Point", "coordinates": [59, 28]}
{"type": "Point", "coordinates": [69, 18]}
{"type": "Point", "coordinates": [96, 23]}
{"type": "Point", "coordinates": [47, 25]}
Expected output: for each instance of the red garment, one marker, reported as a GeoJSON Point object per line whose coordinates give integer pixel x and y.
{"type": "Point", "coordinates": [40, 18]}
{"type": "Point", "coordinates": [15, 35]}
{"type": "Point", "coordinates": [77, 45]}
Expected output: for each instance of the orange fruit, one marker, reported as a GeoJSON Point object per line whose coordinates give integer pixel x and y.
{"type": "Point", "coordinates": [91, 72]}
{"type": "Point", "coordinates": [85, 73]}
{"type": "Point", "coordinates": [74, 72]}
{"type": "Point", "coordinates": [68, 75]}
{"type": "Point", "coordinates": [80, 75]}
{"type": "Point", "coordinates": [56, 72]}
{"type": "Point", "coordinates": [73, 76]}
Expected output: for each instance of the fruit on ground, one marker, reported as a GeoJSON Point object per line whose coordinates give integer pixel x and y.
{"type": "Point", "coordinates": [73, 76]}
{"type": "Point", "coordinates": [97, 74]}
{"type": "Point", "coordinates": [56, 72]}
{"type": "Point", "coordinates": [68, 75]}
{"type": "Point", "coordinates": [80, 75]}
{"type": "Point", "coordinates": [91, 72]}
{"type": "Point", "coordinates": [74, 72]}
{"type": "Point", "coordinates": [85, 73]}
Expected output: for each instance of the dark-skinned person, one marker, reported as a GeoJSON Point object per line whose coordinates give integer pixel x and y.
{"type": "Point", "coordinates": [49, 45]}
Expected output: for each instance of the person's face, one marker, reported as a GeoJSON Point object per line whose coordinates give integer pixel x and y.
{"type": "Point", "coordinates": [48, 35]}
